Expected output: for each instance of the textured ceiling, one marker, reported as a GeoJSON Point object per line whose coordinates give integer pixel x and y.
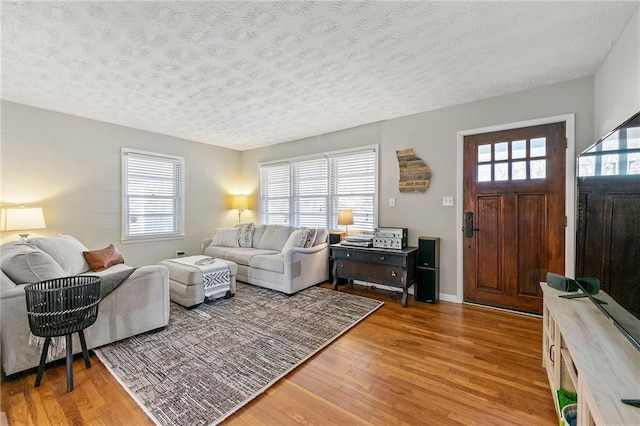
{"type": "Point", "coordinates": [249, 74]}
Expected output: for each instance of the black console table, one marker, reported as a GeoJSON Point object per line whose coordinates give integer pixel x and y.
{"type": "Point", "coordinates": [395, 268]}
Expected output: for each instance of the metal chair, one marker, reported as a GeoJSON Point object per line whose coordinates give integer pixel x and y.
{"type": "Point", "coordinates": [61, 307]}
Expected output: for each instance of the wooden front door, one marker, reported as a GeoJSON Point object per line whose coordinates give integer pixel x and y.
{"type": "Point", "coordinates": [514, 215]}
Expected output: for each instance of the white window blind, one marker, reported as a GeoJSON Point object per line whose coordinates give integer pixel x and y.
{"type": "Point", "coordinates": [311, 191]}
{"type": "Point", "coordinates": [153, 200]}
{"type": "Point", "coordinates": [353, 186]}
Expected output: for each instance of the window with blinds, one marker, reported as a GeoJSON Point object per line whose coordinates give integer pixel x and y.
{"type": "Point", "coordinates": [311, 191]}
{"type": "Point", "coordinates": [153, 200]}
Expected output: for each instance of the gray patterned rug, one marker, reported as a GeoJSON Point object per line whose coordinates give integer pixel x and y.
{"type": "Point", "coordinates": [212, 360]}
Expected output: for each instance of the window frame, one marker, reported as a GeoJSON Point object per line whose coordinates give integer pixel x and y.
{"type": "Point", "coordinates": [332, 199]}
{"type": "Point", "coordinates": [179, 216]}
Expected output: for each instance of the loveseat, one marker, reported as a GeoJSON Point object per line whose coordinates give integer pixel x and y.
{"type": "Point", "coordinates": [278, 257]}
{"type": "Point", "coordinates": [139, 304]}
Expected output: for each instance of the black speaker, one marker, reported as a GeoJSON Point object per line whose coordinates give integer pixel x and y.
{"type": "Point", "coordinates": [428, 270]}
{"type": "Point", "coordinates": [429, 252]}
{"type": "Point", "coordinates": [427, 288]}
{"type": "Point", "coordinates": [335, 237]}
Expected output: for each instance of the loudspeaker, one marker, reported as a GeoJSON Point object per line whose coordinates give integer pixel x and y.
{"type": "Point", "coordinates": [561, 282]}
{"type": "Point", "coordinates": [591, 284]}
{"type": "Point", "coordinates": [428, 270]}
{"type": "Point", "coordinates": [427, 288]}
{"type": "Point", "coordinates": [335, 237]}
{"type": "Point", "coordinates": [429, 252]}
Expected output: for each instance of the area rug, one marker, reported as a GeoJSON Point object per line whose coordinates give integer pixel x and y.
{"type": "Point", "coordinates": [212, 360]}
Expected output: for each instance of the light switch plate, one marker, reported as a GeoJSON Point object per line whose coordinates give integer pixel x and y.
{"type": "Point", "coordinates": [392, 201]}
{"type": "Point", "coordinates": [447, 201]}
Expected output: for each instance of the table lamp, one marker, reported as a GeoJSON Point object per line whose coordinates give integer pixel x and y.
{"type": "Point", "coordinates": [345, 217]}
{"type": "Point", "coordinates": [22, 219]}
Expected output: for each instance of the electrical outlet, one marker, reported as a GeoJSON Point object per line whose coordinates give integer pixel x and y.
{"type": "Point", "coordinates": [447, 201]}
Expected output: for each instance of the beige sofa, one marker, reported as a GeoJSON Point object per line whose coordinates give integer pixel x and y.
{"type": "Point", "coordinates": [139, 304]}
{"type": "Point", "coordinates": [277, 257]}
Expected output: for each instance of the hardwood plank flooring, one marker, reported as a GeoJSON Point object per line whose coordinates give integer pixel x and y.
{"type": "Point", "coordinates": [428, 364]}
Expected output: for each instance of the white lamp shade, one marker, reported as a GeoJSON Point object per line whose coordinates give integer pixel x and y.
{"type": "Point", "coordinates": [345, 217]}
{"type": "Point", "coordinates": [239, 202]}
{"type": "Point", "coordinates": [22, 219]}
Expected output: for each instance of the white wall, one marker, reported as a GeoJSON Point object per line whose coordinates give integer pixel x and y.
{"type": "Point", "coordinates": [617, 82]}
{"type": "Point", "coordinates": [71, 167]}
{"type": "Point", "coordinates": [432, 135]}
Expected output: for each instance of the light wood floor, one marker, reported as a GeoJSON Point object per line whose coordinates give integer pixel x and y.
{"type": "Point", "coordinates": [424, 364]}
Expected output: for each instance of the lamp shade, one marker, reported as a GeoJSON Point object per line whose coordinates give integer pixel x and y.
{"type": "Point", "coordinates": [22, 218]}
{"type": "Point", "coordinates": [345, 217]}
{"type": "Point", "coordinates": [239, 202]}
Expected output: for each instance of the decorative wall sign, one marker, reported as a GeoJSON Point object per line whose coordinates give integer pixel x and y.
{"type": "Point", "coordinates": [414, 173]}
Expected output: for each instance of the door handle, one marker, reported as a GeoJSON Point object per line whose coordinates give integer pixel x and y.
{"type": "Point", "coordinates": [468, 225]}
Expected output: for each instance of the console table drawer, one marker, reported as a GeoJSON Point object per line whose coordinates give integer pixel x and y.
{"type": "Point", "coordinates": [385, 259]}
{"type": "Point", "coordinates": [350, 254]}
{"type": "Point", "coordinates": [383, 274]}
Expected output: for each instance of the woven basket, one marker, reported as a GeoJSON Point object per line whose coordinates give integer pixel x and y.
{"type": "Point", "coordinates": [63, 305]}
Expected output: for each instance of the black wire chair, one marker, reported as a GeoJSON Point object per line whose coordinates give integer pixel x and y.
{"type": "Point", "coordinates": [61, 307]}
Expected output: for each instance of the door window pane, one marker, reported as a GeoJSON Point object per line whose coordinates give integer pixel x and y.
{"type": "Point", "coordinates": [519, 170]}
{"type": "Point", "coordinates": [518, 149]}
{"type": "Point", "coordinates": [484, 173]}
{"type": "Point", "coordinates": [538, 147]}
{"type": "Point", "coordinates": [538, 169]}
{"type": "Point", "coordinates": [502, 151]}
{"type": "Point", "coordinates": [484, 153]}
{"type": "Point", "coordinates": [502, 171]}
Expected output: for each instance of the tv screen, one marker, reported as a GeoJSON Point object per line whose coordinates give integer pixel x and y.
{"type": "Point", "coordinates": [608, 223]}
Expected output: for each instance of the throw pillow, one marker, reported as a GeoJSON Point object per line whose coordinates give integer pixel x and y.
{"type": "Point", "coordinates": [321, 237]}
{"type": "Point", "coordinates": [225, 237]}
{"type": "Point", "coordinates": [245, 234]}
{"type": "Point", "coordinates": [296, 239]}
{"type": "Point", "coordinates": [310, 237]}
{"type": "Point", "coordinates": [66, 250]}
{"type": "Point", "coordinates": [24, 264]}
{"type": "Point", "coordinates": [99, 260]}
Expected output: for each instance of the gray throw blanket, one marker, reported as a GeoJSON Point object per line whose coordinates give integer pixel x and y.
{"type": "Point", "coordinates": [108, 283]}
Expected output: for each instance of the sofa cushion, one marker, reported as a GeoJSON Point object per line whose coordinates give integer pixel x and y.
{"type": "Point", "coordinates": [65, 250]}
{"type": "Point", "coordinates": [274, 237]}
{"type": "Point", "coordinates": [242, 256]}
{"type": "Point", "coordinates": [245, 234]}
{"type": "Point", "coordinates": [296, 239]}
{"type": "Point", "coordinates": [270, 262]}
{"type": "Point", "coordinates": [257, 235]}
{"type": "Point", "coordinates": [225, 237]}
{"type": "Point", "coordinates": [217, 251]}
{"type": "Point", "coordinates": [99, 260]}
{"type": "Point", "coordinates": [24, 263]}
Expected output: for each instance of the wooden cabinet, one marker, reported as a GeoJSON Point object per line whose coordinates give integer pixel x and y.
{"type": "Point", "coordinates": [396, 268]}
{"type": "Point", "coordinates": [584, 353]}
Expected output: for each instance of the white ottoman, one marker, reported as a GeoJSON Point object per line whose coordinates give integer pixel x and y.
{"type": "Point", "coordinates": [186, 283]}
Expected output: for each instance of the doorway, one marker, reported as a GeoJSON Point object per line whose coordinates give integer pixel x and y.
{"type": "Point", "coordinates": [513, 214]}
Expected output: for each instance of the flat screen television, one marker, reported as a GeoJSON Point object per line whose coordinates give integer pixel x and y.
{"type": "Point", "coordinates": [608, 224]}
